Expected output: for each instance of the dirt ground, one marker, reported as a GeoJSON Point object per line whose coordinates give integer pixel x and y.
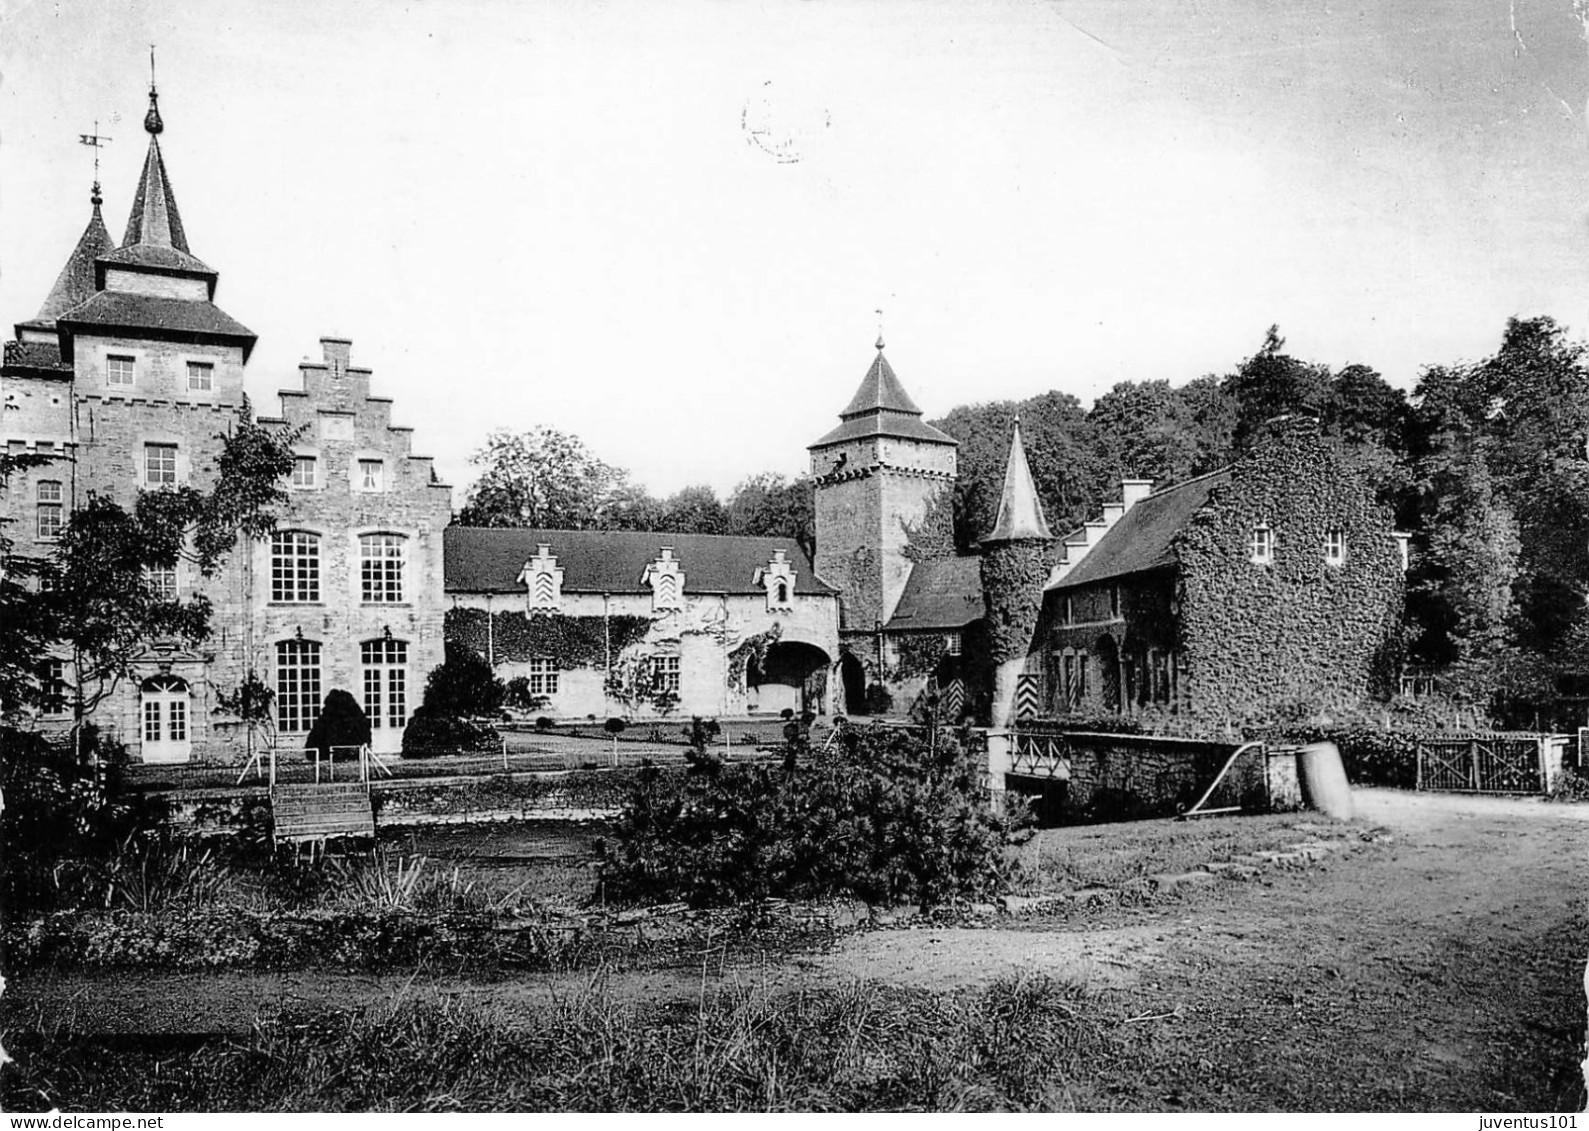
{"type": "Point", "coordinates": [1437, 965]}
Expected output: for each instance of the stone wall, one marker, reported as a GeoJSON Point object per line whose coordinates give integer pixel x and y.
{"type": "Point", "coordinates": [1118, 776]}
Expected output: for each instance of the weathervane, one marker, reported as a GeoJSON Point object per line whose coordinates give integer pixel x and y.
{"type": "Point", "coordinates": [97, 140]}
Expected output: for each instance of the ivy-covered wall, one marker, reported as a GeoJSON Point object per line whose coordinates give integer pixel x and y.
{"type": "Point", "coordinates": [1013, 576]}
{"type": "Point", "coordinates": [515, 636]}
{"type": "Point", "coordinates": [1299, 630]}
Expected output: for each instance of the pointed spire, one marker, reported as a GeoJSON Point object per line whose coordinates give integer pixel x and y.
{"type": "Point", "coordinates": [1020, 512]}
{"type": "Point", "coordinates": [155, 221]}
{"type": "Point", "coordinates": [75, 284]}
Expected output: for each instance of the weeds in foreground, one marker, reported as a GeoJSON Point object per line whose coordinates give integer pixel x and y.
{"type": "Point", "coordinates": [1016, 1044]}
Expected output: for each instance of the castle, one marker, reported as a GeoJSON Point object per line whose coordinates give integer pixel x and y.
{"type": "Point", "coordinates": [130, 373]}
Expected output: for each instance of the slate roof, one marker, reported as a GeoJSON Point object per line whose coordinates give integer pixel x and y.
{"type": "Point", "coordinates": [44, 356]}
{"type": "Point", "coordinates": [76, 282]}
{"type": "Point", "coordinates": [489, 560]}
{"type": "Point", "coordinates": [154, 218]}
{"type": "Point", "coordinates": [155, 257]}
{"type": "Point", "coordinates": [944, 594]}
{"type": "Point", "coordinates": [173, 319]}
{"type": "Point", "coordinates": [881, 407]}
{"type": "Point", "coordinates": [1141, 539]}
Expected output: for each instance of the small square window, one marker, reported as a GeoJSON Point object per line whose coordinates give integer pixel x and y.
{"type": "Point", "coordinates": [119, 370]}
{"type": "Point", "coordinates": [1335, 547]}
{"type": "Point", "coordinates": [372, 475]}
{"type": "Point", "coordinates": [1262, 545]}
{"type": "Point", "coordinates": [160, 465]}
{"type": "Point", "coordinates": [201, 376]}
{"type": "Point", "coordinates": [304, 473]}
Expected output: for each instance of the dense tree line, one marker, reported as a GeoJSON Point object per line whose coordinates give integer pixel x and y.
{"type": "Point", "coordinates": [1485, 464]}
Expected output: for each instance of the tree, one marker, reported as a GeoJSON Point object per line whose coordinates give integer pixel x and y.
{"type": "Point", "coordinates": [694, 510]}
{"type": "Point", "coordinates": [1211, 414]}
{"type": "Point", "coordinates": [97, 599]}
{"type": "Point", "coordinates": [1059, 450]}
{"type": "Point", "coordinates": [542, 478]}
{"type": "Point", "coordinates": [770, 506]}
{"type": "Point", "coordinates": [464, 686]}
{"type": "Point", "coordinates": [27, 630]}
{"type": "Point", "coordinates": [1271, 383]}
{"type": "Point", "coordinates": [1144, 430]}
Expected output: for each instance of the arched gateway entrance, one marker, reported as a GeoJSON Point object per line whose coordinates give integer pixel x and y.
{"type": "Point", "coordinates": [793, 675]}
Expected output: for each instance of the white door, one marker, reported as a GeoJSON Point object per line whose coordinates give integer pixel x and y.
{"type": "Point", "coordinates": [166, 717]}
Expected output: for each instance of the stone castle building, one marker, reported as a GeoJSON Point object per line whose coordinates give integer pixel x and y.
{"type": "Point", "coordinates": [1197, 598]}
{"type": "Point", "coordinates": [126, 380]}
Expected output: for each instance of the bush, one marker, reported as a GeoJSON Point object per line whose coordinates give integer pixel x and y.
{"type": "Point", "coordinates": [465, 686]}
{"type": "Point", "coordinates": [878, 814]}
{"type": "Point", "coordinates": [518, 696]}
{"type": "Point", "coordinates": [878, 700]}
{"type": "Point", "coordinates": [543, 723]}
{"type": "Point", "coordinates": [342, 723]}
{"type": "Point", "coordinates": [430, 734]}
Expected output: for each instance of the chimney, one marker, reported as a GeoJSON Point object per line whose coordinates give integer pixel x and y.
{"type": "Point", "coordinates": [1133, 491]}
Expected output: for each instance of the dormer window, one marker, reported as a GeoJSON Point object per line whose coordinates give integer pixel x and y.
{"type": "Point", "coordinates": [777, 577]}
{"type": "Point", "coordinates": [119, 369]}
{"type": "Point", "coordinates": [542, 579]}
{"type": "Point", "coordinates": [1335, 547]}
{"type": "Point", "coordinates": [1262, 546]}
{"type": "Point", "coordinates": [666, 580]}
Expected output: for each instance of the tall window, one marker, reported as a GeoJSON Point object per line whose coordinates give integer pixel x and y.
{"type": "Point", "coordinates": [51, 509]}
{"type": "Point", "coordinates": [542, 677]}
{"type": "Point", "coordinates": [372, 475]}
{"type": "Point", "coordinates": [1071, 698]}
{"type": "Point", "coordinates": [297, 685]}
{"type": "Point", "coordinates": [160, 465]}
{"type": "Point", "coordinates": [951, 644]}
{"type": "Point", "coordinates": [201, 376]}
{"type": "Point", "coordinates": [304, 471]}
{"type": "Point", "coordinates": [52, 682]}
{"type": "Point", "coordinates": [294, 566]}
{"type": "Point", "coordinates": [1263, 545]}
{"type": "Point", "coordinates": [668, 673]}
{"type": "Point", "coordinates": [1335, 547]}
{"type": "Point", "coordinates": [385, 682]}
{"type": "Point", "coordinates": [380, 568]}
{"type": "Point", "coordinates": [119, 370]}
{"type": "Point", "coordinates": [1114, 600]}
{"type": "Point", "coordinates": [162, 582]}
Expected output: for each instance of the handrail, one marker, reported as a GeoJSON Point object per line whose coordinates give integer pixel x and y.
{"type": "Point", "coordinates": [1219, 777]}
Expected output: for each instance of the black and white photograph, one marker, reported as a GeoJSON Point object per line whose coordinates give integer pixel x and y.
{"type": "Point", "coordinates": [797, 556]}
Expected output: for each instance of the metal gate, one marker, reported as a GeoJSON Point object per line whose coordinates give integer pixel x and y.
{"type": "Point", "coordinates": [1481, 764]}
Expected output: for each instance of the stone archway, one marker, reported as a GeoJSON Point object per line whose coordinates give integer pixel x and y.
{"type": "Point", "coordinates": [794, 675]}
{"type": "Point", "coordinates": [852, 678]}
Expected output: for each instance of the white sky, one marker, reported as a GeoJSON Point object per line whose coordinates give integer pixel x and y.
{"type": "Point", "coordinates": [586, 215]}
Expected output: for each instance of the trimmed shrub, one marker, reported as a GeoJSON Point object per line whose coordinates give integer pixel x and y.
{"type": "Point", "coordinates": [430, 734]}
{"type": "Point", "coordinates": [342, 724]}
{"type": "Point", "coordinates": [465, 686]}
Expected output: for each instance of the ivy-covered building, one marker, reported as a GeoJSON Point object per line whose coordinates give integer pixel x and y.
{"type": "Point", "coordinates": [1272, 582]}
{"type": "Point", "coordinates": [603, 623]}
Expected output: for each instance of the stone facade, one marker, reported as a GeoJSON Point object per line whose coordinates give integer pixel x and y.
{"type": "Point", "coordinates": [644, 624]}
{"type": "Point", "coordinates": [133, 375]}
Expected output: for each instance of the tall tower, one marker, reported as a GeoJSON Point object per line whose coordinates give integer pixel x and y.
{"type": "Point", "coordinates": [1014, 568]}
{"type": "Point", "coordinates": [876, 472]}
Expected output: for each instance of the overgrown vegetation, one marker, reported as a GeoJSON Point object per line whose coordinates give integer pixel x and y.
{"type": "Point", "coordinates": [462, 696]}
{"type": "Point", "coordinates": [882, 814]}
{"type": "Point", "coordinates": [1021, 1043]}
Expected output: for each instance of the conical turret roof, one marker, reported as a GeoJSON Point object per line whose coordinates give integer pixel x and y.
{"type": "Point", "coordinates": [75, 284]}
{"type": "Point", "coordinates": [1020, 511]}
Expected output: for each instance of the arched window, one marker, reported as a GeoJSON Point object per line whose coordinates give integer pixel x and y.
{"type": "Point", "coordinates": [385, 682]}
{"type": "Point", "coordinates": [297, 685]}
{"type": "Point", "coordinates": [381, 568]}
{"type": "Point", "coordinates": [294, 566]}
